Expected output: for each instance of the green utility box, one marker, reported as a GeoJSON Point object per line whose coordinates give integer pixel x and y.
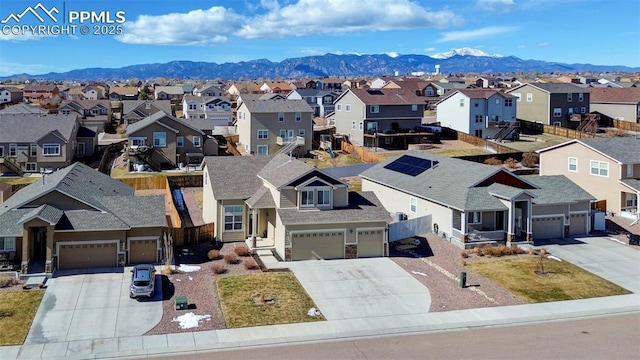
{"type": "Point", "coordinates": [181, 303]}
{"type": "Point", "coordinates": [463, 279]}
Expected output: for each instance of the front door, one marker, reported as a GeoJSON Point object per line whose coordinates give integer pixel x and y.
{"type": "Point", "coordinates": [499, 220]}
{"type": "Point", "coordinates": [39, 244]}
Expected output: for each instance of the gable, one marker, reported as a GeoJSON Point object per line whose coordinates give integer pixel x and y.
{"type": "Point", "coordinates": [505, 178]}
{"type": "Point", "coordinates": [58, 200]}
{"type": "Point", "coordinates": [319, 175]}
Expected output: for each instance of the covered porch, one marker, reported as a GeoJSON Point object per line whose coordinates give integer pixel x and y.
{"type": "Point", "coordinates": [629, 199]}
{"type": "Point", "coordinates": [261, 220]}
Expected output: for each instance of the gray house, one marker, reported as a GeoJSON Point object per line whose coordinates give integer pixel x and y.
{"type": "Point", "coordinates": [321, 101]}
{"type": "Point", "coordinates": [136, 110]}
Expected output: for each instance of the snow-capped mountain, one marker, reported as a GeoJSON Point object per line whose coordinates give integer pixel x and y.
{"type": "Point", "coordinates": [464, 52]}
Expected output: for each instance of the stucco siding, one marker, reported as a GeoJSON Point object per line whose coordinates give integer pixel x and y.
{"type": "Point", "coordinates": [209, 203]}
{"type": "Point", "coordinates": [625, 112]}
{"type": "Point", "coordinates": [451, 114]}
{"type": "Point", "coordinates": [550, 209]}
{"type": "Point", "coordinates": [60, 201]}
{"type": "Point", "coordinates": [343, 119]}
{"type": "Point", "coordinates": [536, 110]}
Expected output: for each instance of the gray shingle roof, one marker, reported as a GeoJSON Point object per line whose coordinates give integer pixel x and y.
{"type": "Point", "coordinates": [559, 88]}
{"type": "Point", "coordinates": [261, 199]}
{"type": "Point", "coordinates": [29, 128]}
{"type": "Point", "coordinates": [234, 177]}
{"type": "Point", "coordinates": [624, 149]}
{"type": "Point", "coordinates": [45, 212]}
{"type": "Point", "coordinates": [90, 220]}
{"type": "Point", "coordinates": [10, 222]}
{"type": "Point", "coordinates": [130, 105]}
{"type": "Point", "coordinates": [275, 106]}
{"type": "Point", "coordinates": [159, 117]}
{"type": "Point", "coordinates": [632, 183]}
{"type": "Point", "coordinates": [137, 211]}
{"type": "Point", "coordinates": [556, 189]}
{"type": "Point", "coordinates": [282, 169]}
{"type": "Point", "coordinates": [363, 206]}
{"type": "Point", "coordinates": [23, 108]}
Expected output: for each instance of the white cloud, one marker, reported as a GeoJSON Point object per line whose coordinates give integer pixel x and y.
{"type": "Point", "coordinates": [307, 17]}
{"type": "Point", "coordinates": [197, 27]}
{"type": "Point", "coordinates": [522, 46]}
{"type": "Point", "coordinates": [495, 5]}
{"type": "Point", "coordinates": [430, 49]}
{"type": "Point", "coordinates": [22, 37]}
{"type": "Point", "coordinates": [11, 68]}
{"type": "Point", "coordinates": [475, 34]}
{"type": "Point", "coordinates": [543, 44]}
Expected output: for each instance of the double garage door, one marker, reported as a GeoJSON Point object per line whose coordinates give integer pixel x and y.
{"type": "Point", "coordinates": [77, 256]}
{"type": "Point", "coordinates": [331, 244]}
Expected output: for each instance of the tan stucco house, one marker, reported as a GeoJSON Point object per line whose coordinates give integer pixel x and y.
{"type": "Point", "coordinates": [471, 203]}
{"type": "Point", "coordinates": [78, 218]}
{"type": "Point", "coordinates": [608, 168]}
{"type": "Point", "coordinates": [297, 210]}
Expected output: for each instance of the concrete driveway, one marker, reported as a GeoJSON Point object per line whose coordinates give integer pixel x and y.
{"type": "Point", "coordinates": [602, 256]}
{"type": "Point", "coordinates": [93, 306]}
{"type": "Point", "coordinates": [361, 288]}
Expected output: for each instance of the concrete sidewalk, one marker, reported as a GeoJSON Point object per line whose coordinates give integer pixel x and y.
{"type": "Point", "coordinates": [142, 346]}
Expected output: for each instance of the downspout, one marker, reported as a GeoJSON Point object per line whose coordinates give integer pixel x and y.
{"type": "Point", "coordinates": [637, 209]}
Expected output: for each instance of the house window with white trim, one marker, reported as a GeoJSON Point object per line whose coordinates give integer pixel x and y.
{"type": "Point", "coordinates": [360, 126]}
{"type": "Point", "coordinates": [338, 107]}
{"type": "Point", "coordinates": [13, 150]}
{"type": "Point", "coordinates": [196, 141]}
{"type": "Point", "coordinates": [31, 167]}
{"type": "Point", "coordinates": [33, 150]}
{"type": "Point", "coordinates": [573, 164]}
{"type": "Point", "coordinates": [298, 117]}
{"type": "Point", "coordinates": [233, 215]}
{"type": "Point", "coordinates": [138, 141]}
{"type": "Point", "coordinates": [263, 134]}
{"type": "Point", "coordinates": [51, 149]}
{"type": "Point", "coordinates": [306, 198]}
{"type": "Point", "coordinates": [583, 110]}
{"type": "Point", "coordinates": [508, 102]}
{"type": "Point", "coordinates": [324, 197]}
{"type": "Point", "coordinates": [7, 243]}
{"type": "Point", "coordinates": [262, 150]}
{"type": "Point", "coordinates": [413, 205]}
{"type": "Point", "coordinates": [475, 217]}
{"type": "Point", "coordinates": [180, 141]}
{"type": "Point", "coordinates": [569, 97]}
{"type": "Point", "coordinates": [461, 102]}
{"type": "Point", "coordinates": [375, 109]}
{"type": "Point", "coordinates": [557, 112]}
{"type": "Point", "coordinates": [479, 118]}
{"type": "Point", "coordinates": [353, 125]}
{"type": "Point", "coordinates": [301, 132]}
{"type": "Point", "coordinates": [347, 107]}
{"type": "Point", "coordinates": [414, 107]}
{"type": "Point", "coordinates": [580, 97]}
{"type": "Point", "coordinates": [160, 139]}
{"type": "Point", "coordinates": [599, 168]}
{"type": "Point", "coordinates": [281, 117]}
{"type": "Point", "coordinates": [529, 97]}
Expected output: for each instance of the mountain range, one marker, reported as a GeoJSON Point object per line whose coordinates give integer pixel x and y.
{"type": "Point", "coordinates": [463, 60]}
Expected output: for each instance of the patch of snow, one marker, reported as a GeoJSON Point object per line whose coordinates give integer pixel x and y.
{"type": "Point", "coordinates": [178, 280]}
{"type": "Point", "coordinates": [190, 320]}
{"type": "Point", "coordinates": [190, 278]}
{"type": "Point", "coordinates": [463, 52]}
{"type": "Point", "coordinates": [392, 54]}
{"type": "Point", "coordinates": [188, 268]}
{"type": "Point", "coordinates": [418, 273]}
{"type": "Point", "coordinates": [313, 312]}
{"type": "Point", "coordinates": [554, 258]}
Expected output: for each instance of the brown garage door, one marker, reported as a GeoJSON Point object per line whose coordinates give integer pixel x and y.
{"type": "Point", "coordinates": [320, 245]}
{"type": "Point", "coordinates": [548, 227]}
{"type": "Point", "coordinates": [143, 251]}
{"type": "Point", "coordinates": [370, 243]}
{"type": "Point", "coordinates": [78, 256]}
{"type": "Point", "coordinates": [578, 225]}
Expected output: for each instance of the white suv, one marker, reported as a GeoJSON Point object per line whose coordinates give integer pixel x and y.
{"type": "Point", "coordinates": [143, 278]}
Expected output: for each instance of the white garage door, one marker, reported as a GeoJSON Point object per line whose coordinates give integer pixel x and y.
{"type": "Point", "coordinates": [578, 224]}
{"type": "Point", "coordinates": [370, 243]}
{"type": "Point", "coordinates": [90, 255]}
{"type": "Point", "coordinates": [548, 227]}
{"type": "Point", "coordinates": [317, 245]}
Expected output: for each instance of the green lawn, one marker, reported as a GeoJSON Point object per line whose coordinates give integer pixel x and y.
{"type": "Point", "coordinates": [17, 309]}
{"type": "Point", "coordinates": [242, 306]}
{"type": "Point", "coordinates": [562, 281]}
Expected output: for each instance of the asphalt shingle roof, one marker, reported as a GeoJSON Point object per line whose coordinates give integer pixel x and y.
{"type": "Point", "coordinates": [131, 105]}
{"type": "Point", "coordinates": [261, 199]}
{"type": "Point", "coordinates": [282, 169]}
{"type": "Point", "coordinates": [29, 128]}
{"type": "Point", "coordinates": [234, 177]}
{"type": "Point", "coordinates": [624, 149]}
{"type": "Point", "coordinates": [275, 106]}
{"type": "Point", "coordinates": [556, 189]}
{"type": "Point", "coordinates": [632, 183]}
{"type": "Point", "coordinates": [159, 117]}
{"type": "Point", "coordinates": [387, 96]}
{"type": "Point", "coordinates": [45, 212]}
{"type": "Point", "coordinates": [615, 95]}
{"type": "Point", "coordinates": [559, 88]}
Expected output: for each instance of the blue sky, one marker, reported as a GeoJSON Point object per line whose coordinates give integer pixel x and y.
{"type": "Point", "coordinates": [570, 31]}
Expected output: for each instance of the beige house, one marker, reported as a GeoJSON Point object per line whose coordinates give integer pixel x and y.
{"type": "Point", "coordinates": [608, 168]}
{"type": "Point", "coordinates": [471, 203]}
{"type": "Point", "coordinates": [79, 218]}
{"type": "Point", "coordinates": [295, 209]}
{"type": "Point", "coordinates": [266, 127]}
{"type": "Point", "coordinates": [617, 103]}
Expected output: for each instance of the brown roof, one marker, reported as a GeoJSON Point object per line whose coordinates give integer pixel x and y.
{"type": "Point", "coordinates": [411, 83]}
{"type": "Point", "coordinates": [615, 95]}
{"type": "Point", "coordinates": [40, 87]}
{"type": "Point", "coordinates": [124, 90]}
{"type": "Point", "coordinates": [483, 93]}
{"type": "Point", "coordinates": [387, 96]}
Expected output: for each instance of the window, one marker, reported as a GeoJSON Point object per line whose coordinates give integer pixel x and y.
{"type": "Point", "coordinates": [600, 168]}
{"type": "Point", "coordinates": [429, 91]}
{"type": "Point", "coordinates": [81, 149]}
{"type": "Point", "coordinates": [263, 134]}
{"type": "Point", "coordinates": [629, 170]}
{"type": "Point", "coordinates": [518, 96]}
{"type": "Point", "coordinates": [324, 197]}
{"type": "Point", "coordinates": [508, 102]}
{"type": "Point", "coordinates": [569, 97]}
{"type": "Point", "coordinates": [557, 112]}
{"type": "Point", "coordinates": [262, 150]}
{"type": "Point", "coordinates": [281, 117]}
{"type": "Point", "coordinates": [13, 150]}
{"type": "Point", "coordinates": [375, 109]}
{"type": "Point", "coordinates": [138, 141]}
{"type": "Point", "coordinates": [306, 198]}
{"type": "Point", "coordinates": [573, 164]}
{"type": "Point", "coordinates": [298, 117]}
{"type": "Point", "coordinates": [583, 110]}
{"type": "Point", "coordinates": [353, 125]}
{"type": "Point", "coordinates": [347, 107]}
{"type": "Point", "coordinates": [360, 126]}
{"type": "Point", "coordinates": [476, 104]}
{"type": "Point", "coordinates": [180, 141]}
{"type": "Point", "coordinates": [497, 101]}
{"type": "Point", "coordinates": [478, 118]}
{"type": "Point", "coordinates": [7, 243]}
{"type": "Point", "coordinates": [159, 139]}
{"type": "Point", "coordinates": [529, 97]}
{"type": "Point", "coordinates": [557, 123]}
{"type": "Point", "coordinates": [196, 141]}
{"type": "Point", "coordinates": [283, 133]}
{"type": "Point", "coordinates": [1, 150]}
{"type": "Point", "coordinates": [193, 106]}
{"type": "Point", "coordinates": [580, 97]}
{"type": "Point", "coordinates": [338, 107]}
{"type": "Point", "coordinates": [328, 100]}
{"type": "Point", "coordinates": [51, 149]}
{"type": "Point", "coordinates": [461, 102]}
{"type": "Point", "coordinates": [33, 150]}
{"type": "Point", "coordinates": [66, 111]}
{"type": "Point", "coordinates": [413, 205]}
{"type": "Point", "coordinates": [233, 217]}
{"type": "Point", "coordinates": [301, 132]}
{"type": "Point", "coordinates": [414, 107]}
{"type": "Point", "coordinates": [475, 217]}
{"type": "Point", "coordinates": [31, 167]}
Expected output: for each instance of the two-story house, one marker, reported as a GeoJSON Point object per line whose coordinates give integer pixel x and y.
{"type": "Point", "coordinates": [321, 101]}
{"type": "Point", "coordinates": [552, 104]}
{"type": "Point", "coordinates": [616, 103]}
{"type": "Point", "coordinates": [608, 168]}
{"type": "Point", "coordinates": [208, 91]}
{"type": "Point", "coordinates": [480, 112]}
{"type": "Point", "coordinates": [119, 93]}
{"type": "Point", "coordinates": [330, 84]}
{"type": "Point", "coordinates": [136, 110]}
{"type": "Point", "coordinates": [94, 114]}
{"type": "Point", "coordinates": [216, 108]}
{"type": "Point", "coordinates": [301, 212]}
{"type": "Point", "coordinates": [165, 142]}
{"type": "Point", "coordinates": [276, 87]}
{"type": "Point", "coordinates": [378, 117]}
{"type": "Point", "coordinates": [40, 93]}
{"type": "Point", "coordinates": [10, 95]}
{"type": "Point", "coordinates": [413, 84]}
{"type": "Point", "coordinates": [266, 127]}
{"type": "Point", "coordinates": [31, 142]}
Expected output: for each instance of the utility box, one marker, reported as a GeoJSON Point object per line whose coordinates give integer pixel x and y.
{"type": "Point", "coordinates": [463, 279]}
{"type": "Point", "coordinates": [181, 303]}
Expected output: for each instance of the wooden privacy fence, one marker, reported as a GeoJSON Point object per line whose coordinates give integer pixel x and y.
{"type": "Point", "coordinates": [193, 235]}
{"type": "Point", "coordinates": [626, 125]}
{"type": "Point", "coordinates": [480, 142]}
{"type": "Point", "coordinates": [364, 154]}
{"type": "Point", "coordinates": [173, 217]}
{"type": "Point", "coordinates": [146, 183]}
{"type": "Point", "coordinates": [568, 133]}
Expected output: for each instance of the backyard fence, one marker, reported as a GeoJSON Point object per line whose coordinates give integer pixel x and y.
{"type": "Point", "coordinates": [485, 144]}
{"type": "Point", "coordinates": [626, 125]}
{"type": "Point", "coordinates": [362, 153]}
{"type": "Point", "coordinates": [538, 128]}
{"type": "Point", "coordinates": [193, 234]}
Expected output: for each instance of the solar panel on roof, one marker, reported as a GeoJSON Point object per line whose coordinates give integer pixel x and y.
{"type": "Point", "coordinates": [374, 92]}
{"type": "Point", "coordinates": [410, 165]}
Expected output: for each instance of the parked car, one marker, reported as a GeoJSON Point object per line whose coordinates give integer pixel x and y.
{"type": "Point", "coordinates": [143, 278]}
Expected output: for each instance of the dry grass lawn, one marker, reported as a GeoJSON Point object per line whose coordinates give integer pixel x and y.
{"type": "Point", "coordinates": [325, 161]}
{"type": "Point", "coordinates": [459, 152]}
{"type": "Point", "coordinates": [20, 180]}
{"type": "Point", "coordinates": [241, 300]}
{"type": "Point", "coordinates": [17, 309]}
{"type": "Point", "coordinates": [561, 281]}
{"type": "Point", "coordinates": [198, 196]}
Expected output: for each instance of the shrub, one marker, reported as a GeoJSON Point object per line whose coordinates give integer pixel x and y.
{"type": "Point", "coordinates": [529, 159]}
{"type": "Point", "coordinates": [213, 254]}
{"type": "Point", "coordinates": [511, 163]}
{"type": "Point", "coordinates": [493, 161]}
{"type": "Point", "coordinates": [242, 250]}
{"type": "Point", "coordinates": [6, 281]}
{"type": "Point", "coordinates": [504, 250]}
{"type": "Point", "coordinates": [250, 264]}
{"type": "Point", "coordinates": [487, 250]}
{"type": "Point", "coordinates": [477, 250]}
{"type": "Point", "coordinates": [464, 254]}
{"type": "Point", "coordinates": [218, 268]}
{"type": "Point", "coordinates": [231, 258]}
{"type": "Point", "coordinates": [518, 250]}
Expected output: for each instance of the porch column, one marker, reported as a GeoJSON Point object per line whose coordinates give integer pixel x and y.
{"type": "Point", "coordinates": [510, 222]}
{"type": "Point", "coordinates": [26, 249]}
{"type": "Point", "coordinates": [254, 222]}
{"type": "Point", "coordinates": [48, 265]}
{"type": "Point", "coordinates": [529, 223]}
